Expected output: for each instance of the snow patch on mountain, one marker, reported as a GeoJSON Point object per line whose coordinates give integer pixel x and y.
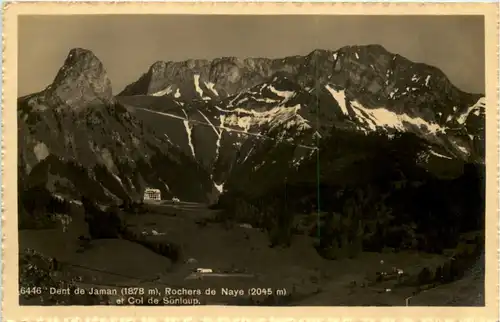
{"type": "Point", "coordinates": [258, 166]}
{"type": "Point", "coordinates": [243, 100]}
{"type": "Point", "coordinates": [427, 79]}
{"type": "Point", "coordinates": [339, 96]}
{"type": "Point", "coordinates": [188, 132]}
{"type": "Point", "coordinates": [388, 74]}
{"type": "Point", "coordinates": [242, 122]}
{"type": "Point", "coordinates": [248, 154]}
{"type": "Point", "coordinates": [217, 132]}
{"type": "Point", "coordinates": [393, 93]}
{"type": "Point", "coordinates": [439, 155]}
{"type": "Point", "coordinates": [211, 87]}
{"type": "Point", "coordinates": [222, 110]}
{"type": "Point", "coordinates": [265, 100]}
{"type": "Point", "coordinates": [117, 179]}
{"type": "Point", "coordinates": [163, 113]}
{"type": "Point", "coordinates": [273, 118]}
{"type": "Point", "coordinates": [476, 109]}
{"type": "Point", "coordinates": [284, 94]}
{"type": "Point", "coordinates": [281, 117]}
{"type": "Point", "coordinates": [232, 101]}
{"type": "Point", "coordinates": [219, 187]}
{"type": "Point", "coordinates": [197, 87]}
{"type": "Point", "coordinates": [460, 147]}
{"type": "Point", "coordinates": [164, 91]}
{"type": "Point", "coordinates": [383, 118]}
{"type": "Point", "coordinates": [41, 151]}
{"type": "Point", "coordinates": [296, 162]}
{"type": "Point", "coordinates": [222, 120]}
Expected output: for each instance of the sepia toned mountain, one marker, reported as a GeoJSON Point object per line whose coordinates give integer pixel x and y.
{"type": "Point", "coordinates": [265, 165]}
{"type": "Point", "coordinates": [196, 128]}
{"type": "Point", "coordinates": [77, 139]}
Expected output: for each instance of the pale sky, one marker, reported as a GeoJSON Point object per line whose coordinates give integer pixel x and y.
{"type": "Point", "coordinates": [128, 45]}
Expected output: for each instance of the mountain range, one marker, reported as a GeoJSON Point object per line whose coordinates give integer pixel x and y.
{"type": "Point", "coordinates": [197, 129]}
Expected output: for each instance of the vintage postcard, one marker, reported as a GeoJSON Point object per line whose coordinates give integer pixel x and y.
{"type": "Point", "coordinates": [338, 161]}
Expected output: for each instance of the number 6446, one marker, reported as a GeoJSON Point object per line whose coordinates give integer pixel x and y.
{"type": "Point", "coordinates": [35, 290]}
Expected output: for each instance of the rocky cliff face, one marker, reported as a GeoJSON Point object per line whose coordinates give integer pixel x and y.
{"type": "Point", "coordinates": [74, 137]}
{"type": "Point", "coordinates": [231, 116]}
{"type": "Point", "coordinates": [379, 76]}
{"type": "Point", "coordinates": [82, 80]}
{"type": "Point", "coordinates": [370, 86]}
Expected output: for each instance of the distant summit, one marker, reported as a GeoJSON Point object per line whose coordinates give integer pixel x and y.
{"type": "Point", "coordinates": [219, 121]}
{"type": "Point", "coordinates": [81, 81]}
{"type": "Point", "coordinates": [367, 66]}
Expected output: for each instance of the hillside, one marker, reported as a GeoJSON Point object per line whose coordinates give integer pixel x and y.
{"type": "Point", "coordinates": [356, 150]}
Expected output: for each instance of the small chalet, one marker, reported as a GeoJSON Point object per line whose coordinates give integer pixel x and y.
{"type": "Point", "coordinates": [152, 194]}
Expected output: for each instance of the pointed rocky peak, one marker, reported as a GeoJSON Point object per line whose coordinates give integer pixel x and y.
{"type": "Point", "coordinates": [372, 58]}
{"type": "Point", "coordinates": [154, 80]}
{"type": "Point", "coordinates": [81, 80]}
{"type": "Point", "coordinates": [318, 57]}
{"type": "Point", "coordinates": [158, 67]}
{"type": "Point", "coordinates": [163, 78]}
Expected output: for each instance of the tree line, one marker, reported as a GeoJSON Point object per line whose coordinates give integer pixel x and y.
{"type": "Point", "coordinates": [370, 194]}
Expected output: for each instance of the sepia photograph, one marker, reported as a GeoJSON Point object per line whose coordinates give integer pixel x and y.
{"type": "Point", "coordinates": [251, 160]}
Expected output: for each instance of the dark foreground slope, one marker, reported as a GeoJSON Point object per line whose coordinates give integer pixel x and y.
{"type": "Point", "coordinates": [239, 256]}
